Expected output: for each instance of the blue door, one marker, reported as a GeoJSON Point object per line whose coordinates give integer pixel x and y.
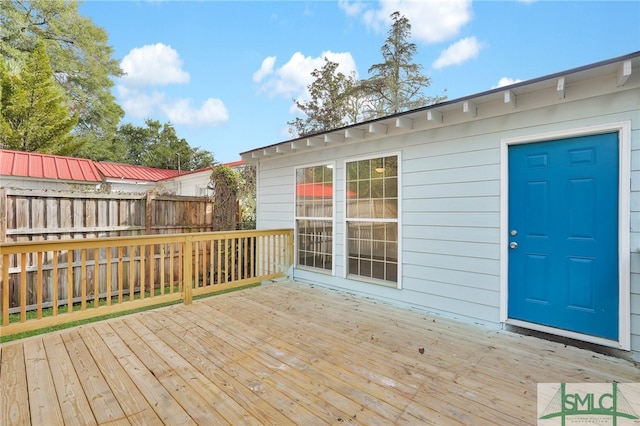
{"type": "Point", "coordinates": [563, 234]}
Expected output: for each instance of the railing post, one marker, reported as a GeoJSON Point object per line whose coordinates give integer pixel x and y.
{"type": "Point", "coordinates": [187, 271]}
{"type": "Point", "coordinates": [290, 248]}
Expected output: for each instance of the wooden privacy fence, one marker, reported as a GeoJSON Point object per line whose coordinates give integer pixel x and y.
{"type": "Point", "coordinates": [49, 215]}
{"type": "Point", "coordinates": [52, 282]}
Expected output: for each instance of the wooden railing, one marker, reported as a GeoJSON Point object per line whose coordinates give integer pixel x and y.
{"type": "Point", "coordinates": [46, 283]}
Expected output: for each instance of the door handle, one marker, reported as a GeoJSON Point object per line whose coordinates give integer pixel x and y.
{"type": "Point", "coordinates": [513, 245]}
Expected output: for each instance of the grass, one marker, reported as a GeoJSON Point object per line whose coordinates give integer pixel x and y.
{"type": "Point", "coordinates": [63, 309]}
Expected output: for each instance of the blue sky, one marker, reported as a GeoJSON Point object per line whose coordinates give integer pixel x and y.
{"type": "Point", "coordinates": [225, 73]}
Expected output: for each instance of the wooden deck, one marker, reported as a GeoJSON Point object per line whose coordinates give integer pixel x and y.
{"type": "Point", "coordinates": [287, 354]}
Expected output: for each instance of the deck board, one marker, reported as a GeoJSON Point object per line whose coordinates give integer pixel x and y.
{"type": "Point", "coordinates": [13, 387]}
{"type": "Point", "coordinates": [97, 390]}
{"type": "Point", "coordinates": [135, 407]}
{"type": "Point", "coordinates": [73, 402]}
{"type": "Point", "coordinates": [388, 381]}
{"type": "Point", "coordinates": [288, 353]}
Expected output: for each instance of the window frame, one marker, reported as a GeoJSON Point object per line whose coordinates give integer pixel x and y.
{"type": "Point", "coordinates": [390, 284]}
{"type": "Point", "coordinates": [332, 219]}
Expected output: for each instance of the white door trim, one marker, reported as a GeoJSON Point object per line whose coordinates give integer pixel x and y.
{"type": "Point", "coordinates": [624, 251]}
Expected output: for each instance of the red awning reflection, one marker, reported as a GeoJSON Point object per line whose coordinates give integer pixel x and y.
{"type": "Point", "coordinates": [317, 190]}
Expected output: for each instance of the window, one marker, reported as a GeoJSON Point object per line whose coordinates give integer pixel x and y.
{"type": "Point", "coordinates": [372, 219]}
{"type": "Point", "coordinates": [314, 217]}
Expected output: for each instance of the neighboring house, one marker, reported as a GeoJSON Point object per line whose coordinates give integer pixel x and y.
{"type": "Point", "coordinates": [197, 183]}
{"type": "Point", "coordinates": [516, 206]}
{"type": "Point", "coordinates": [32, 170]}
{"type": "Point", "coordinates": [29, 170]}
{"type": "Point", "coordinates": [128, 178]}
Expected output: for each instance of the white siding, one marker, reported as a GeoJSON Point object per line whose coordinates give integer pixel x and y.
{"type": "Point", "coordinates": [451, 187]}
{"type": "Point", "coordinates": [191, 184]}
{"type": "Point", "coordinates": [44, 184]}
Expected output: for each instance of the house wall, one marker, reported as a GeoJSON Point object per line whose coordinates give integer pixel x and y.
{"type": "Point", "coordinates": [130, 186]}
{"type": "Point", "coordinates": [450, 211]}
{"type": "Point", "coordinates": [43, 184]}
{"type": "Point", "coordinates": [192, 184]}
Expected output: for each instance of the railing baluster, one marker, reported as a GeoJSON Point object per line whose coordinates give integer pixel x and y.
{"type": "Point", "coordinates": [23, 287]}
{"type": "Point", "coordinates": [188, 270]}
{"type": "Point", "coordinates": [196, 267]}
{"type": "Point", "coordinates": [245, 262]}
{"type": "Point", "coordinates": [54, 283]}
{"type": "Point", "coordinates": [233, 258]}
{"type": "Point", "coordinates": [83, 279]}
{"type": "Point", "coordinates": [171, 272]}
{"type": "Point", "coordinates": [204, 264]}
{"type": "Point", "coordinates": [152, 269]}
{"type": "Point", "coordinates": [201, 263]}
{"type": "Point", "coordinates": [161, 268]}
{"type": "Point", "coordinates": [142, 269]}
{"type": "Point", "coordinates": [39, 285]}
{"type": "Point", "coordinates": [180, 266]}
{"type": "Point", "coordinates": [261, 253]}
{"type": "Point", "coordinates": [5, 289]}
{"type": "Point", "coordinates": [70, 281]}
{"type": "Point", "coordinates": [132, 269]}
{"type": "Point", "coordinates": [218, 264]}
{"type": "Point", "coordinates": [120, 273]}
{"type": "Point", "coordinates": [96, 278]}
{"type": "Point", "coordinates": [212, 262]}
{"type": "Point", "coordinates": [108, 275]}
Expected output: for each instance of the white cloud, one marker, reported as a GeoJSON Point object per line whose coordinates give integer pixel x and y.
{"type": "Point", "coordinates": [139, 104]}
{"type": "Point", "coordinates": [211, 113]}
{"type": "Point", "coordinates": [431, 21]}
{"type": "Point", "coordinates": [506, 81]}
{"type": "Point", "coordinates": [265, 69]}
{"type": "Point", "coordinates": [458, 53]}
{"type": "Point", "coordinates": [160, 65]}
{"type": "Point", "coordinates": [153, 65]}
{"type": "Point", "coordinates": [291, 79]}
{"type": "Point", "coordinates": [351, 8]}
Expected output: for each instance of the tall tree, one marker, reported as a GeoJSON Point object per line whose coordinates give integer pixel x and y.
{"type": "Point", "coordinates": [34, 110]}
{"type": "Point", "coordinates": [329, 106]}
{"type": "Point", "coordinates": [397, 84]}
{"type": "Point", "coordinates": [80, 57]}
{"type": "Point", "coordinates": [158, 145]}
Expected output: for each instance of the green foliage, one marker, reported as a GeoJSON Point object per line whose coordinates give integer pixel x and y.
{"type": "Point", "coordinates": [328, 107]}
{"type": "Point", "coordinates": [155, 145]}
{"type": "Point", "coordinates": [397, 84]}
{"type": "Point", "coordinates": [77, 78]}
{"type": "Point", "coordinates": [227, 184]}
{"type": "Point", "coordinates": [160, 147]}
{"type": "Point", "coordinates": [110, 148]}
{"type": "Point", "coordinates": [79, 55]}
{"type": "Point", "coordinates": [247, 194]}
{"type": "Point", "coordinates": [34, 112]}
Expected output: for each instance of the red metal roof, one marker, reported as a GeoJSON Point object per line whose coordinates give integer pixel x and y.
{"type": "Point", "coordinates": [234, 163]}
{"type": "Point", "coordinates": [210, 168]}
{"type": "Point", "coordinates": [126, 171]}
{"type": "Point", "coordinates": [37, 165]}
